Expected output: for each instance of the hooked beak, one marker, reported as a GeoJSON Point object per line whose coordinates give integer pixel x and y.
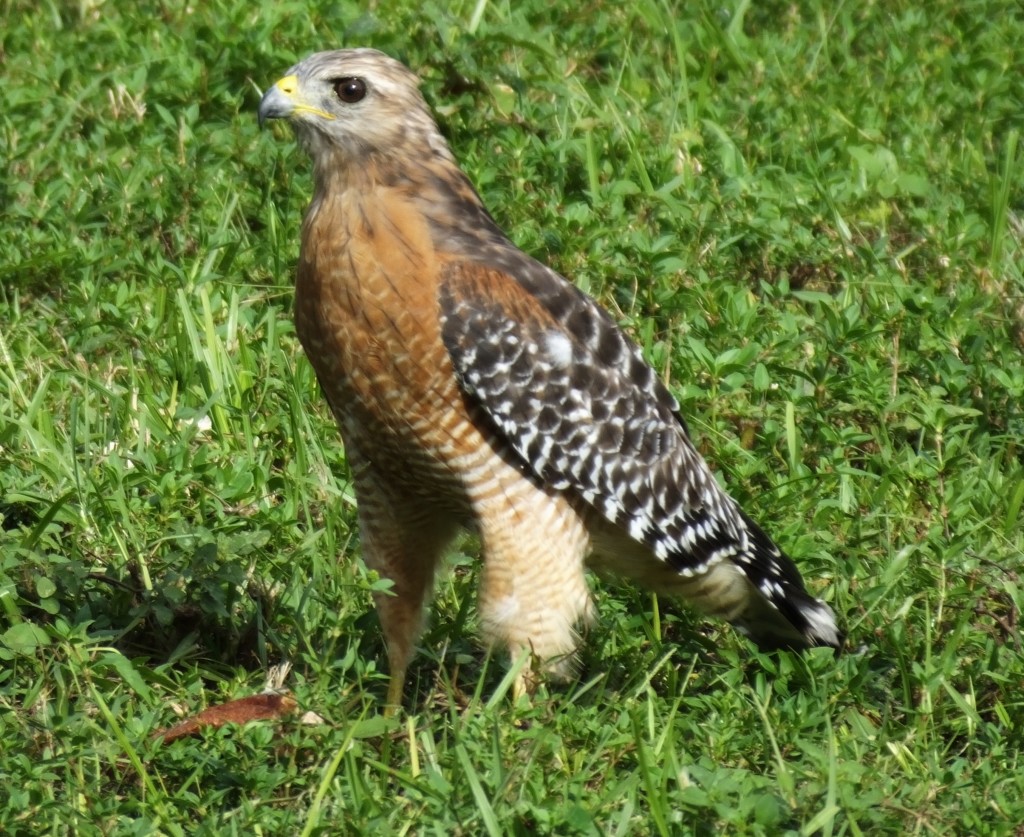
{"type": "Point", "coordinates": [279, 101]}
{"type": "Point", "coordinates": [284, 100]}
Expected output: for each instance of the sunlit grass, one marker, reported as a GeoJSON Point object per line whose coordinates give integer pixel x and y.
{"type": "Point", "coordinates": [808, 216]}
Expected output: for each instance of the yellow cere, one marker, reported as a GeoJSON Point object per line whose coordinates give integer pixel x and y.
{"type": "Point", "coordinates": [289, 85]}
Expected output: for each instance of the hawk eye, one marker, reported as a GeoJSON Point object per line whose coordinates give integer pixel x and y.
{"type": "Point", "coordinates": [350, 89]}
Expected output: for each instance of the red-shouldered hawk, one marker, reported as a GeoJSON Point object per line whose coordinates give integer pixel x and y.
{"type": "Point", "coordinates": [476, 387]}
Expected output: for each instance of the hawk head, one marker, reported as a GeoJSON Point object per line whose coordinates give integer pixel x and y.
{"type": "Point", "coordinates": [354, 102]}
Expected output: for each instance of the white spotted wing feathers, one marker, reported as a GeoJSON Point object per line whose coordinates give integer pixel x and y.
{"type": "Point", "coordinates": [577, 402]}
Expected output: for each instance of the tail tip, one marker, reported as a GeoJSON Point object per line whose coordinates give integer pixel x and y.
{"type": "Point", "coordinates": [821, 628]}
{"type": "Point", "coordinates": [807, 624]}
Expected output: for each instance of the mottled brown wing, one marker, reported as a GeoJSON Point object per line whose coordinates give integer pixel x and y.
{"type": "Point", "coordinates": [578, 403]}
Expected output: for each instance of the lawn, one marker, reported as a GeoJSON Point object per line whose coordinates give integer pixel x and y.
{"type": "Point", "coordinates": [810, 216]}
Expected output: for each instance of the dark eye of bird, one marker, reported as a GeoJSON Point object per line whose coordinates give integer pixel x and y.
{"type": "Point", "coordinates": [350, 90]}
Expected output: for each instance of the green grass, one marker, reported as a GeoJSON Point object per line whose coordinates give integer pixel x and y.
{"type": "Point", "coordinates": [809, 215]}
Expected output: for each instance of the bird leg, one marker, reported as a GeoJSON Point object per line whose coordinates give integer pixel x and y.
{"type": "Point", "coordinates": [402, 541]}
{"type": "Point", "coordinates": [533, 589]}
